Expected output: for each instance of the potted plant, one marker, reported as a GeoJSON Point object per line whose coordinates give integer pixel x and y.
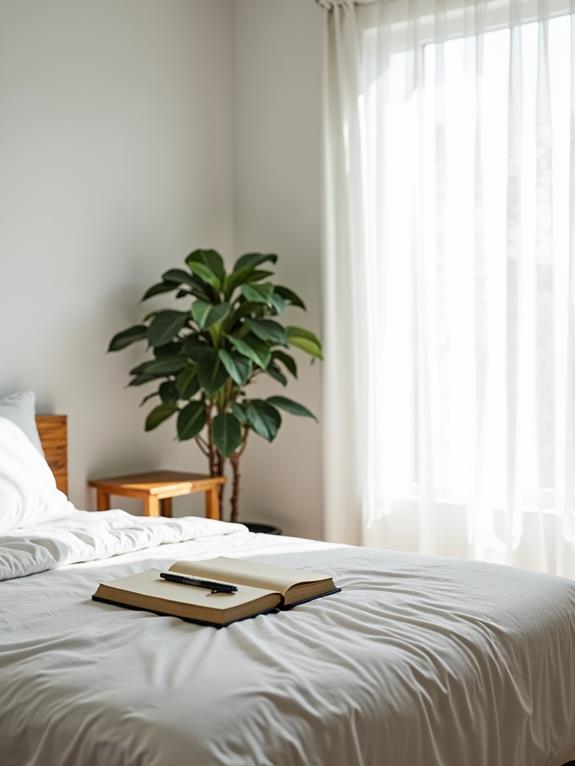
{"type": "Point", "coordinates": [206, 358]}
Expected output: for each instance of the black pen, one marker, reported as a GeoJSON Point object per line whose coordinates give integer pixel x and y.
{"type": "Point", "coordinates": [215, 587]}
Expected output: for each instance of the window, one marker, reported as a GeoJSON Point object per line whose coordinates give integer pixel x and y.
{"type": "Point", "coordinates": [459, 254]}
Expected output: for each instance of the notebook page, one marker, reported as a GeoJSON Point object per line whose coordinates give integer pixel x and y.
{"type": "Point", "coordinates": [149, 583]}
{"type": "Point", "coordinates": [248, 572]}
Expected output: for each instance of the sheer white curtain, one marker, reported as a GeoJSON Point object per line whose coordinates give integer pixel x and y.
{"type": "Point", "coordinates": [450, 251]}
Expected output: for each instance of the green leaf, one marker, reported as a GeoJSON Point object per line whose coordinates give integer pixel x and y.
{"type": "Point", "coordinates": [140, 368]}
{"type": "Point", "coordinates": [165, 326]}
{"type": "Point", "coordinates": [210, 258]}
{"type": "Point", "coordinates": [254, 259]}
{"type": "Point", "coordinates": [227, 434]}
{"type": "Point", "coordinates": [168, 349]}
{"type": "Point", "coordinates": [161, 287]}
{"type": "Point", "coordinates": [208, 265]}
{"type": "Point", "coordinates": [268, 330]}
{"type": "Point", "coordinates": [274, 372]}
{"type": "Point", "coordinates": [194, 286]}
{"type": "Point", "coordinates": [305, 340]}
{"type": "Point", "coordinates": [127, 337]}
{"type": "Point", "coordinates": [179, 277]}
{"type": "Point", "coordinates": [277, 302]}
{"type": "Point", "coordinates": [158, 415]}
{"type": "Point", "coordinates": [287, 360]}
{"type": "Point", "coordinates": [207, 315]}
{"type": "Point", "coordinates": [306, 345]}
{"type": "Point", "coordinates": [253, 349]}
{"type": "Point", "coordinates": [245, 308]}
{"type": "Point", "coordinates": [191, 420]}
{"type": "Point", "coordinates": [205, 274]}
{"type": "Point", "coordinates": [237, 278]}
{"type": "Point", "coordinates": [289, 296]}
{"type": "Point", "coordinates": [294, 408]}
{"type": "Point", "coordinates": [258, 293]}
{"type": "Point", "coordinates": [263, 418]}
{"type": "Point", "coordinates": [301, 332]}
{"type": "Point", "coordinates": [187, 382]}
{"type": "Point", "coordinates": [211, 372]}
{"type": "Point", "coordinates": [194, 348]}
{"type": "Point", "coordinates": [259, 274]}
{"type": "Point", "coordinates": [169, 392]}
{"type": "Point", "coordinates": [238, 367]}
{"type": "Point", "coordinates": [141, 378]}
{"type": "Point", "coordinates": [239, 413]}
{"type": "Point", "coordinates": [200, 311]}
{"type": "Point", "coordinates": [162, 366]}
{"type": "Point", "coordinates": [148, 397]}
{"type": "Point", "coordinates": [247, 274]}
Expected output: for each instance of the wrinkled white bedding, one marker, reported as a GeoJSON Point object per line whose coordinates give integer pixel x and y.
{"type": "Point", "coordinates": [417, 661]}
{"type": "Point", "coordinates": [86, 536]}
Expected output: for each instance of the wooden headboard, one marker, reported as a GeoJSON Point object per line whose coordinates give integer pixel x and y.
{"type": "Point", "coordinates": [53, 430]}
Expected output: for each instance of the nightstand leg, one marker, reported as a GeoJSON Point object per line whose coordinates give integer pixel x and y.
{"type": "Point", "coordinates": [166, 505]}
{"type": "Point", "coordinates": [102, 500]}
{"type": "Point", "coordinates": [212, 503]}
{"type": "Point", "coordinates": [151, 506]}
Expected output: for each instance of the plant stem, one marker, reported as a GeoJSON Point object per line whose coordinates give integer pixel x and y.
{"type": "Point", "coordinates": [235, 498]}
{"type": "Point", "coordinates": [245, 444]}
{"type": "Point", "coordinates": [235, 461]}
{"type": "Point", "coordinates": [221, 467]}
{"type": "Point", "coordinates": [216, 461]}
{"type": "Point", "coordinates": [203, 446]}
{"type": "Point", "coordinates": [212, 454]}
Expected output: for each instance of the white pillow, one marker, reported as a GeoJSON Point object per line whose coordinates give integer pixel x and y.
{"type": "Point", "coordinates": [20, 408]}
{"type": "Point", "coordinates": [28, 491]}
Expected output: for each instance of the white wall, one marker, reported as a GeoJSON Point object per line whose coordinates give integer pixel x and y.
{"type": "Point", "coordinates": [278, 62]}
{"type": "Point", "coordinates": [115, 161]}
{"type": "Point", "coordinates": [119, 124]}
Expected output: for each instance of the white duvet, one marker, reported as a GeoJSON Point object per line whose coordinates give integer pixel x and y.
{"type": "Point", "coordinates": [41, 530]}
{"type": "Point", "coordinates": [418, 661]}
{"type": "Point", "coordinates": [86, 536]}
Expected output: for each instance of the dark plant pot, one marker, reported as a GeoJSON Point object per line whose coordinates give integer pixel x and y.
{"type": "Point", "coordinates": [266, 529]}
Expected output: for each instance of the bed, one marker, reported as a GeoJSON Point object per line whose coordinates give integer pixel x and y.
{"type": "Point", "coordinates": [417, 661]}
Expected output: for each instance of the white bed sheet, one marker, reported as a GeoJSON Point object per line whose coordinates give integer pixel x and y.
{"type": "Point", "coordinates": [417, 661]}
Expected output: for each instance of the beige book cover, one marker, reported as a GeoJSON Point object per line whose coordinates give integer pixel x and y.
{"type": "Point", "coordinates": [260, 588]}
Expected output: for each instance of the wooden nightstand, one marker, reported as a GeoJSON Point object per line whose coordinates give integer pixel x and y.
{"type": "Point", "coordinates": [157, 488]}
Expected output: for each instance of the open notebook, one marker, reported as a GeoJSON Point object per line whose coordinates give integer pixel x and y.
{"type": "Point", "coordinates": [261, 588]}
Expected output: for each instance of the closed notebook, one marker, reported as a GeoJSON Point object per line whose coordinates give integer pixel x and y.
{"type": "Point", "coordinates": [261, 588]}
